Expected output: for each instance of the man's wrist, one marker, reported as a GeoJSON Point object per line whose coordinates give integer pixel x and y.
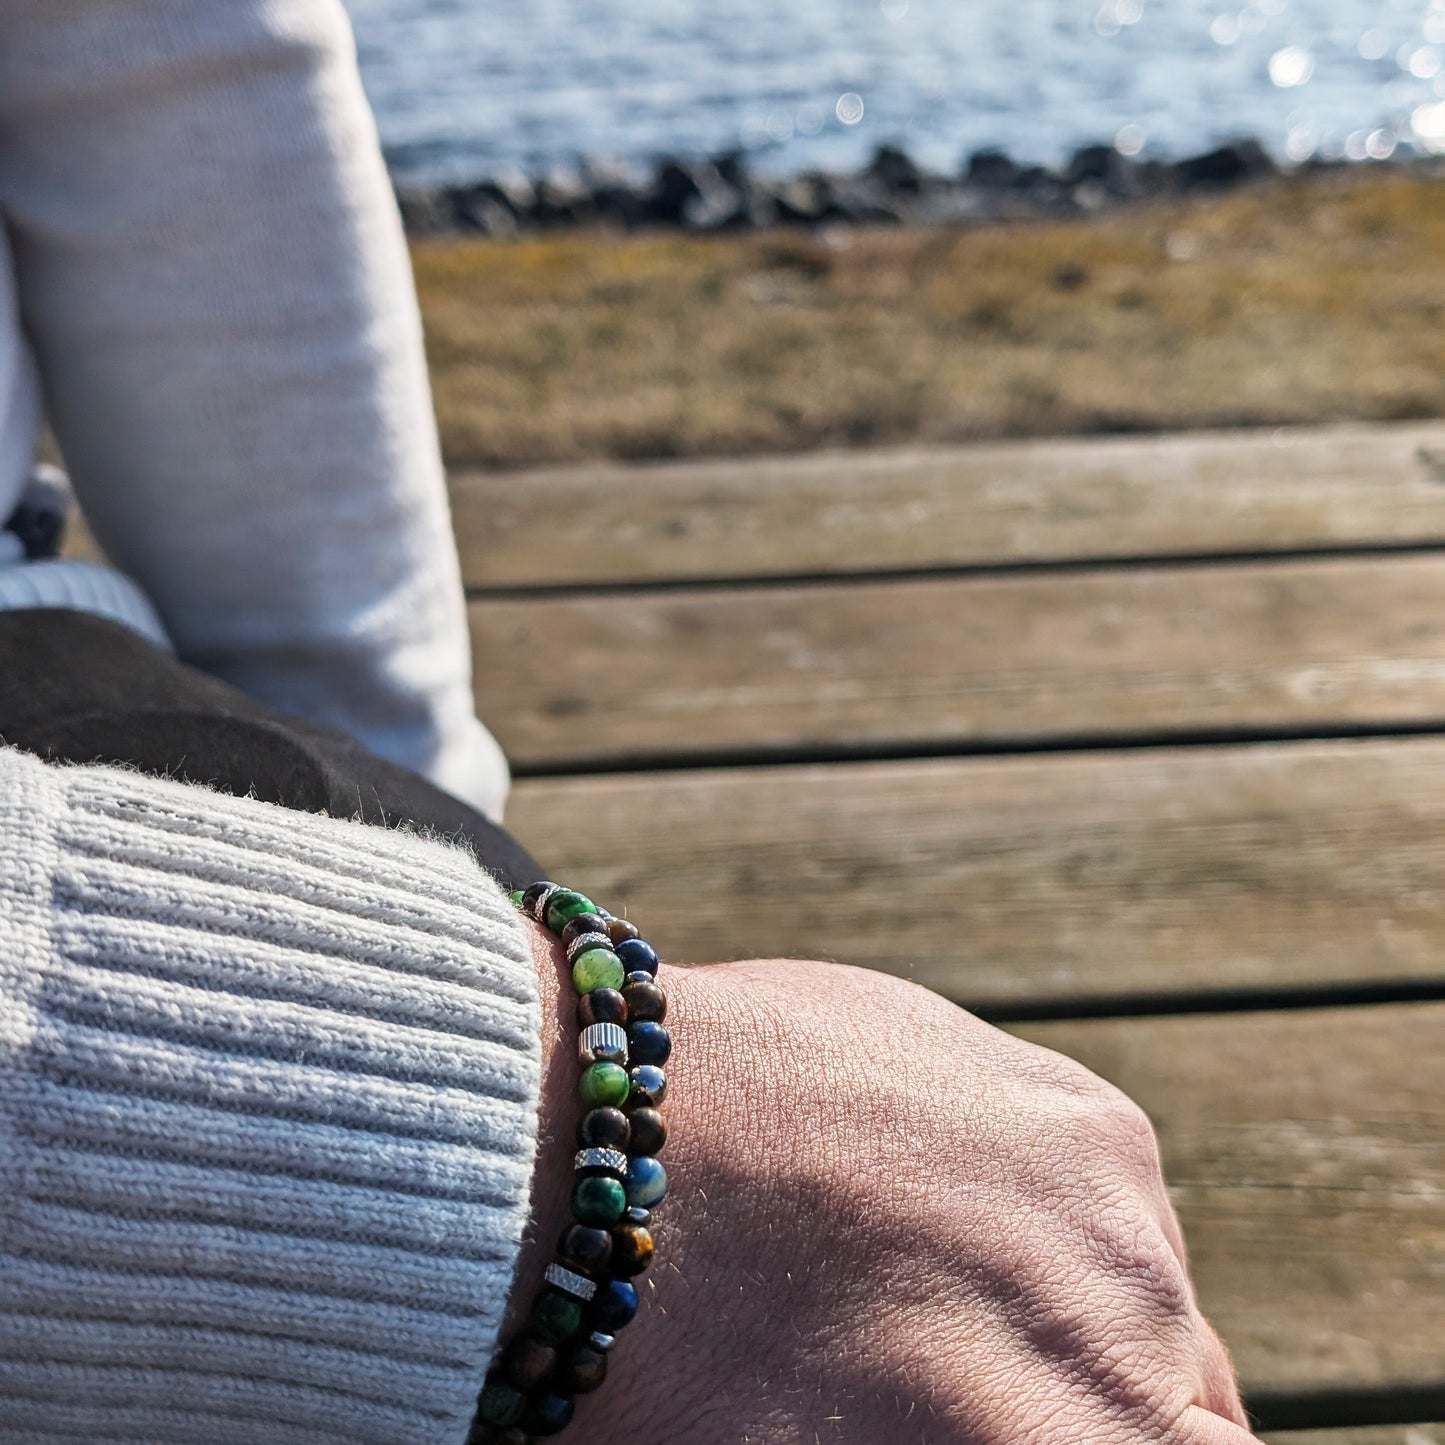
{"type": "Point", "coordinates": [552, 1174]}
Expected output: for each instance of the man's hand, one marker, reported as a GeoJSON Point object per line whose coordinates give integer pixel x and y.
{"type": "Point", "coordinates": [894, 1225]}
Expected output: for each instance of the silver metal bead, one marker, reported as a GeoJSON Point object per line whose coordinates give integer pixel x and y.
{"type": "Point", "coordinates": [600, 1341]}
{"type": "Point", "coordinates": [577, 1285]}
{"type": "Point", "coordinates": [602, 1041]}
{"type": "Point", "coordinates": [584, 941]}
{"type": "Point", "coordinates": [539, 908]}
{"type": "Point", "coordinates": [613, 1160]}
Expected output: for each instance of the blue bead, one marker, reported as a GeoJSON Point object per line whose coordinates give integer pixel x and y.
{"type": "Point", "coordinates": [614, 1306]}
{"type": "Point", "coordinates": [637, 956]}
{"type": "Point", "coordinates": [648, 1043]}
{"type": "Point", "coordinates": [646, 1182]}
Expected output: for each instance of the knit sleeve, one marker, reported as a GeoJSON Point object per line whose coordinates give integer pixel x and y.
{"type": "Point", "coordinates": [268, 1114]}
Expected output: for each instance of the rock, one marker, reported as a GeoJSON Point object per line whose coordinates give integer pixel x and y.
{"type": "Point", "coordinates": [1240, 160]}
{"type": "Point", "coordinates": [894, 171]}
{"type": "Point", "coordinates": [484, 209]}
{"type": "Point", "coordinates": [992, 170]}
{"type": "Point", "coordinates": [677, 185]}
{"type": "Point", "coordinates": [426, 211]}
{"type": "Point", "coordinates": [562, 199]}
{"type": "Point", "coordinates": [803, 201]}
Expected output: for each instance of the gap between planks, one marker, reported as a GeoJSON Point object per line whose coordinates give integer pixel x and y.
{"type": "Point", "coordinates": [1305, 1153]}
{"type": "Point", "coordinates": [1036, 882]}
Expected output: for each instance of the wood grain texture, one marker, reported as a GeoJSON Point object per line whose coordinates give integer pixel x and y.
{"type": "Point", "coordinates": [1306, 1155]}
{"type": "Point", "coordinates": [1366, 1435]}
{"type": "Point", "coordinates": [1281, 646]}
{"type": "Point", "coordinates": [846, 512]}
{"type": "Point", "coordinates": [1025, 880]}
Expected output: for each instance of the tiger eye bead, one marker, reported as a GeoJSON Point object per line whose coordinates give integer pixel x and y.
{"type": "Point", "coordinates": [646, 1002]}
{"type": "Point", "coordinates": [605, 1128]}
{"type": "Point", "coordinates": [528, 1363]}
{"type": "Point", "coordinates": [563, 906]}
{"type": "Point", "coordinates": [602, 1006]}
{"type": "Point", "coordinates": [582, 1371]}
{"type": "Point", "coordinates": [647, 1132]}
{"type": "Point", "coordinates": [631, 1250]}
{"type": "Point", "coordinates": [548, 1415]}
{"type": "Point", "coordinates": [597, 968]}
{"type": "Point", "coordinates": [583, 923]}
{"type": "Point", "coordinates": [619, 930]}
{"type": "Point", "coordinates": [637, 956]}
{"type": "Point", "coordinates": [648, 1043]}
{"type": "Point", "coordinates": [585, 1249]}
{"type": "Point", "coordinates": [649, 1085]}
{"type": "Point", "coordinates": [604, 1084]}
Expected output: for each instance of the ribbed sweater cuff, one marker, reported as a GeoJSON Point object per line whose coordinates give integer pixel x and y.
{"type": "Point", "coordinates": [268, 1105]}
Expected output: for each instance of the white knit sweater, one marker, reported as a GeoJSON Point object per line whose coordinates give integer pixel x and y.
{"type": "Point", "coordinates": [268, 1103]}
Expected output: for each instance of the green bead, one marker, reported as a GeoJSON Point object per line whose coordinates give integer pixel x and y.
{"type": "Point", "coordinates": [516, 896]}
{"type": "Point", "coordinates": [563, 906]}
{"type": "Point", "coordinates": [597, 968]}
{"type": "Point", "coordinates": [604, 1084]}
{"type": "Point", "coordinates": [599, 1201]}
{"type": "Point", "coordinates": [501, 1405]}
{"type": "Point", "coordinates": [555, 1317]}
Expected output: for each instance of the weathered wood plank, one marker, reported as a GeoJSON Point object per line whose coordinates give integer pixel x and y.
{"type": "Point", "coordinates": [955, 662]}
{"type": "Point", "coordinates": [838, 513]}
{"type": "Point", "coordinates": [1366, 1435]}
{"type": "Point", "coordinates": [1019, 881]}
{"type": "Point", "coordinates": [1306, 1156]}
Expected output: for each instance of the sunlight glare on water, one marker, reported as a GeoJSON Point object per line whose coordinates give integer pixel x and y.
{"type": "Point", "coordinates": [468, 87]}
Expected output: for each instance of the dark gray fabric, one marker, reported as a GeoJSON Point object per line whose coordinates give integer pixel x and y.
{"type": "Point", "coordinates": [80, 689]}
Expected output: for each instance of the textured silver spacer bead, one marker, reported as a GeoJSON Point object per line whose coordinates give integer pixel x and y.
{"type": "Point", "coordinates": [613, 1160]}
{"type": "Point", "coordinates": [600, 1341]}
{"type": "Point", "coordinates": [539, 908]}
{"type": "Point", "coordinates": [577, 1285]}
{"type": "Point", "coordinates": [584, 941]}
{"type": "Point", "coordinates": [601, 1040]}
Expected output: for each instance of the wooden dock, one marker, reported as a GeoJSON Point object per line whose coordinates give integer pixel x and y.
{"type": "Point", "coordinates": [1135, 746]}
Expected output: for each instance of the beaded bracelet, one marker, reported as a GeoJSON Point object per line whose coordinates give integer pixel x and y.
{"type": "Point", "coordinates": [562, 1350]}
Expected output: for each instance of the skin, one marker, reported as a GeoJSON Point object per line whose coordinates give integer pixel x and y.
{"type": "Point", "coordinates": [889, 1222]}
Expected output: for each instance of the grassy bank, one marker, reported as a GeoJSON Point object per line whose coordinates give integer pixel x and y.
{"type": "Point", "coordinates": [1305, 299]}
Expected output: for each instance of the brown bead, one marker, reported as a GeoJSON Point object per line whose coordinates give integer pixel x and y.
{"type": "Point", "coordinates": [649, 1132]}
{"type": "Point", "coordinates": [602, 1006]}
{"type": "Point", "coordinates": [586, 1249]}
{"type": "Point", "coordinates": [528, 1363]}
{"type": "Point", "coordinates": [484, 1434]}
{"type": "Point", "coordinates": [604, 1128]}
{"type": "Point", "coordinates": [646, 1002]}
{"type": "Point", "coordinates": [631, 1250]}
{"type": "Point", "coordinates": [619, 930]}
{"type": "Point", "coordinates": [582, 1371]}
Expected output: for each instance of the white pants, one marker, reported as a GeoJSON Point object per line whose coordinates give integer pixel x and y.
{"type": "Point", "coordinates": [207, 275]}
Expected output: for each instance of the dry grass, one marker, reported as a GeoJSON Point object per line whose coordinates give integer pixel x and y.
{"type": "Point", "coordinates": [1302, 300]}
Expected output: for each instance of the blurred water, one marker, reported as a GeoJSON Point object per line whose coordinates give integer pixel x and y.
{"type": "Point", "coordinates": [463, 88]}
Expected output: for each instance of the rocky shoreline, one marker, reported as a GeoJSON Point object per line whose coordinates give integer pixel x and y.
{"type": "Point", "coordinates": [724, 194]}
